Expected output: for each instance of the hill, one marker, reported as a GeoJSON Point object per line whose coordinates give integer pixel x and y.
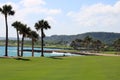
{"type": "Point", "coordinates": [106, 37]}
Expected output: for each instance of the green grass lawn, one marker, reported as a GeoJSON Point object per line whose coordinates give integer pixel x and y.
{"type": "Point", "coordinates": [63, 68]}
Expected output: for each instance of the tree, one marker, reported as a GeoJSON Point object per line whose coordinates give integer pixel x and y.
{"type": "Point", "coordinates": [34, 36]}
{"type": "Point", "coordinates": [117, 44]}
{"type": "Point", "coordinates": [24, 30]}
{"type": "Point", "coordinates": [97, 45]}
{"type": "Point", "coordinates": [41, 25]}
{"type": "Point", "coordinates": [77, 44]}
{"type": "Point", "coordinates": [73, 44]}
{"type": "Point", "coordinates": [87, 42]}
{"type": "Point", "coordinates": [6, 10]}
{"type": "Point", "coordinates": [17, 26]}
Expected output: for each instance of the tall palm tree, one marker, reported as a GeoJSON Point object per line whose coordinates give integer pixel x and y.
{"type": "Point", "coordinates": [41, 25]}
{"type": "Point", "coordinates": [24, 30]}
{"type": "Point", "coordinates": [34, 36]}
{"type": "Point", "coordinates": [87, 42]}
{"type": "Point", "coordinates": [17, 26]}
{"type": "Point", "coordinates": [6, 10]}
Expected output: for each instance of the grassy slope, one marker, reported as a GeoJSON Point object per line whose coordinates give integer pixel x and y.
{"type": "Point", "coordinates": [70, 68]}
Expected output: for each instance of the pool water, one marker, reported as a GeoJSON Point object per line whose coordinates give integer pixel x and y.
{"type": "Point", "coordinates": [12, 51]}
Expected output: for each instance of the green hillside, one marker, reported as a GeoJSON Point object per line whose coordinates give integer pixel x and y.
{"type": "Point", "coordinates": [106, 37]}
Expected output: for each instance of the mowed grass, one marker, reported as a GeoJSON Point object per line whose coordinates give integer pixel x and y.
{"type": "Point", "coordinates": [61, 68]}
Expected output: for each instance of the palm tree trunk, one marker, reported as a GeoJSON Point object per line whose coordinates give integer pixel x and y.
{"type": "Point", "coordinates": [6, 44]}
{"type": "Point", "coordinates": [42, 54]}
{"type": "Point", "coordinates": [32, 47]}
{"type": "Point", "coordinates": [22, 45]}
{"type": "Point", "coordinates": [18, 54]}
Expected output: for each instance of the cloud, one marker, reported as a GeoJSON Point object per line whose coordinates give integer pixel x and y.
{"type": "Point", "coordinates": [28, 12]}
{"type": "Point", "coordinates": [54, 11]}
{"type": "Point", "coordinates": [32, 3]}
{"type": "Point", "coordinates": [100, 15]}
{"type": "Point", "coordinates": [27, 8]}
{"type": "Point", "coordinates": [51, 20]}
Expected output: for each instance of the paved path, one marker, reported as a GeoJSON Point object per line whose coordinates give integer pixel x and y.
{"type": "Point", "coordinates": [88, 53]}
{"type": "Point", "coordinates": [100, 54]}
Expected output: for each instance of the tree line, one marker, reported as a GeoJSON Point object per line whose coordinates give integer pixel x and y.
{"type": "Point", "coordinates": [88, 43]}
{"type": "Point", "coordinates": [24, 30]}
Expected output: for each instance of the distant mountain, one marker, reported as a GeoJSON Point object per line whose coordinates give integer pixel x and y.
{"type": "Point", "coordinates": [106, 37]}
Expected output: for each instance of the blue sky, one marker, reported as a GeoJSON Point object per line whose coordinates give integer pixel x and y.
{"type": "Point", "coordinates": [66, 17]}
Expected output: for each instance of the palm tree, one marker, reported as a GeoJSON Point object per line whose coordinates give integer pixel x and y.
{"type": "Point", "coordinates": [87, 42]}
{"type": "Point", "coordinates": [116, 44]}
{"type": "Point", "coordinates": [41, 25]}
{"type": "Point", "coordinates": [6, 10]}
{"type": "Point", "coordinates": [24, 30]}
{"type": "Point", "coordinates": [97, 45]}
{"type": "Point", "coordinates": [17, 26]}
{"type": "Point", "coordinates": [34, 36]}
{"type": "Point", "coordinates": [77, 44]}
{"type": "Point", "coordinates": [73, 44]}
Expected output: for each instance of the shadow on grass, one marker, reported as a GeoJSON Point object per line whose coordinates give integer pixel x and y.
{"type": "Point", "coordinates": [16, 58]}
{"type": "Point", "coordinates": [6, 57]}
{"type": "Point", "coordinates": [1, 57]}
{"type": "Point", "coordinates": [59, 58]}
{"type": "Point", "coordinates": [23, 59]}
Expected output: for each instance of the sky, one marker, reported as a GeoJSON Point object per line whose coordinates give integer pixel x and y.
{"type": "Point", "coordinates": [66, 17]}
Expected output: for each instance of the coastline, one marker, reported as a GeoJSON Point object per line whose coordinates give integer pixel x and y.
{"type": "Point", "coordinates": [72, 52]}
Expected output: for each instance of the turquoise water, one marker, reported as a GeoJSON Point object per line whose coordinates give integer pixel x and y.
{"type": "Point", "coordinates": [12, 51]}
